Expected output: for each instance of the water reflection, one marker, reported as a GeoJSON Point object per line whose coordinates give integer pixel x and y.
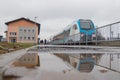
{"type": "Point", "coordinates": [86, 62]}
{"type": "Point", "coordinates": [110, 61]}
{"type": "Point", "coordinates": [69, 67]}
{"type": "Point", "coordinates": [82, 62]}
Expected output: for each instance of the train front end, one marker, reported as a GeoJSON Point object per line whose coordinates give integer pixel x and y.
{"type": "Point", "coordinates": [86, 62]}
{"type": "Point", "coordinates": [87, 30]}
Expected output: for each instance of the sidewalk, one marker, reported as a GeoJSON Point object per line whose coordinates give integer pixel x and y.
{"type": "Point", "coordinates": [7, 58]}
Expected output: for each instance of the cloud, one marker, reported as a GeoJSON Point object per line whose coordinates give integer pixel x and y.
{"type": "Point", "coordinates": [53, 26]}
{"type": "Point", "coordinates": [56, 14]}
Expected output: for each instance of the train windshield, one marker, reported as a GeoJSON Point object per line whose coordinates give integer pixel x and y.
{"type": "Point", "coordinates": [86, 25]}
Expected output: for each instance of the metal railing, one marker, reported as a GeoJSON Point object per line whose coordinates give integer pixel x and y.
{"type": "Point", "coordinates": [110, 32]}
{"type": "Point", "coordinates": [110, 61]}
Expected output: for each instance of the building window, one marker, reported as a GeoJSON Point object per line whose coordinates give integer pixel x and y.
{"type": "Point", "coordinates": [24, 37]}
{"type": "Point", "coordinates": [33, 30]}
{"type": "Point", "coordinates": [28, 38]}
{"type": "Point", "coordinates": [10, 33]}
{"type": "Point", "coordinates": [33, 38]}
{"type": "Point", "coordinates": [28, 30]}
{"type": "Point", "coordinates": [13, 33]}
{"type": "Point", "coordinates": [20, 29]}
{"type": "Point", "coordinates": [24, 59]}
{"type": "Point", "coordinates": [21, 37]}
{"type": "Point", "coordinates": [28, 59]}
{"type": "Point", "coordinates": [24, 30]}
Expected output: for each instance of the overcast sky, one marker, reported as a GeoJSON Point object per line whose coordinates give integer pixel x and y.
{"type": "Point", "coordinates": [55, 15]}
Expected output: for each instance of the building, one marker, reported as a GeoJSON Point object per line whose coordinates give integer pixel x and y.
{"type": "Point", "coordinates": [22, 30]}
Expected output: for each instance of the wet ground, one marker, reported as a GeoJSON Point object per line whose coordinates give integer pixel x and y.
{"type": "Point", "coordinates": [54, 68]}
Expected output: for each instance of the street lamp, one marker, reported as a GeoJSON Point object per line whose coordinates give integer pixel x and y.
{"type": "Point", "coordinates": [118, 35]}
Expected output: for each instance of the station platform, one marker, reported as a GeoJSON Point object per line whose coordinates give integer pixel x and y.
{"type": "Point", "coordinates": [75, 49]}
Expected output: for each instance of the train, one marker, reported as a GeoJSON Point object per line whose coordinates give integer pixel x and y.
{"type": "Point", "coordinates": [83, 62]}
{"type": "Point", "coordinates": [79, 31]}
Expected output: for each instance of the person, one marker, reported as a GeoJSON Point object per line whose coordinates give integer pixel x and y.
{"type": "Point", "coordinates": [41, 42]}
{"type": "Point", "coordinates": [45, 41]}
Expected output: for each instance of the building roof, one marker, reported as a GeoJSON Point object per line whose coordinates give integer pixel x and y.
{"type": "Point", "coordinates": [7, 23]}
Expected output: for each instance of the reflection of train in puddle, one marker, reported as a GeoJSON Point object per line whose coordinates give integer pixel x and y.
{"type": "Point", "coordinates": [83, 62]}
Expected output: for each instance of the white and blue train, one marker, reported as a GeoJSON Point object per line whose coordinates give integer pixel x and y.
{"type": "Point", "coordinates": [83, 62]}
{"type": "Point", "coordinates": [80, 31]}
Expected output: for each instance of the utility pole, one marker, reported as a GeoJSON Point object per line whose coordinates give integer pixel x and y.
{"type": "Point", "coordinates": [35, 30]}
{"type": "Point", "coordinates": [118, 35]}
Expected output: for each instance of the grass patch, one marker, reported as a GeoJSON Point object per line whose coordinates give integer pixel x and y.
{"type": "Point", "coordinates": [4, 46]}
{"type": "Point", "coordinates": [15, 45]}
{"type": "Point", "coordinates": [1, 48]}
{"type": "Point", "coordinates": [24, 45]}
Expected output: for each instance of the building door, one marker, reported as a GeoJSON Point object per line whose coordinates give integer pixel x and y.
{"type": "Point", "coordinates": [13, 40]}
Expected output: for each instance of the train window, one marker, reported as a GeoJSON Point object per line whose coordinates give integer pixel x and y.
{"type": "Point", "coordinates": [86, 25]}
{"type": "Point", "coordinates": [75, 27]}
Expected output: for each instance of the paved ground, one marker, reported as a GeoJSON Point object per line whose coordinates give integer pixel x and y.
{"type": "Point", "coordinates": [53, 68]}
{"type": "Point", "coordinates": [5, 59]}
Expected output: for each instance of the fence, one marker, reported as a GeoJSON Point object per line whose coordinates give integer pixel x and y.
{"type": "Point", "coordinates": [108, 32]}
{"type": "Point", "coordinates": [110, 61]}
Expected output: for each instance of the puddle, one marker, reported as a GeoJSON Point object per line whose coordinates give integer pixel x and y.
{"type": "Point", "coordinates": [69, 67]}
{"type": "Point", "coordinates": [80, 61]}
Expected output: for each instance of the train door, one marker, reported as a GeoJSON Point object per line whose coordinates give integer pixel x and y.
{"type": "Point", "coordinates": [74, 33]}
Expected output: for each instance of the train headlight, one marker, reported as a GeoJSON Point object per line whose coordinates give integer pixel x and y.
{"type": "Point", "coordinates": [82, 34]}
{"type": "Point", "coordinates": [93, 35]}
